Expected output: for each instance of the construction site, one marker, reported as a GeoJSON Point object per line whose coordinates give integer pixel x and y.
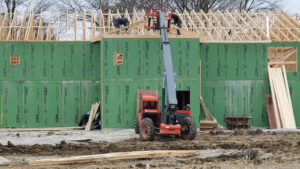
{"type": "Point", "coordinates": [219, 90]}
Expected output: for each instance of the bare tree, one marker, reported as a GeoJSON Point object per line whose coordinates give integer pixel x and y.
{"type": "Point", "coordinates": [11, 5]}
{"type": "Point", "coordinates": [256, 5]}
{"type": "Point", "coordinates": [85, 5]}
{"type": "Point", "coordinates": [25, 5]}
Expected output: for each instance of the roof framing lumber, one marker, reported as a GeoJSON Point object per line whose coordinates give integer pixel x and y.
{"type": "Point", "coordinates": [211, 27]}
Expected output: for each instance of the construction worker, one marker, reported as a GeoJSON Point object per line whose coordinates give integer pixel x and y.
{"type": "Point", "coordinates": [120, 21]}
{"type": "Point", "coordinates": [177, 21]}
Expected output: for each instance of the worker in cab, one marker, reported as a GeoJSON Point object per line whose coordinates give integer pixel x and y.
{"type": "Point", "coordinates": [176, 21]}
{"type": "Point", "coordinates": [120, 21]}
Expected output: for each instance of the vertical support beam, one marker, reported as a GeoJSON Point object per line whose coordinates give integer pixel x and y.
{"type": "Point", "coordinates": [75, 26]}
{"type": "Point", "coordinates": [40, 34]}
{"type": "Point", "coordinates": [57, 27]}
{"type": "Point", "coordinates": [268, 26]}
{"type": "Point", "coordinates": [108, 21]}
{"type": "Point", "coordinates": [3, 26]}
{"type": "Point", "coordinates": [92, 34]}
{"type": "Point", "coordinates": [67, 25]}
{"type": "Point", "coordinates": [29, 31]}
{"type": "Point", "coordinates": [48, 38]}
{"type": "Point", "coordinates": [21, 31]}
{"type": "Point", "coordinates": [11, 33]}
{"type": "Point", "coordinates": [84, 26]}
{"type": "Point", "coordinates": [101, 23]}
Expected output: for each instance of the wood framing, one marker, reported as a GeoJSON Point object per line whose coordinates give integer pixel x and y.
{"type": "Point", "coordinates": [287, 56]}
{"type": "Point", "coordinates": [210, 27]}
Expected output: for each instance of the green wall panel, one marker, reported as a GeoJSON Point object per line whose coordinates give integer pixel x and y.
{"type": "Point", "coordinates": [142, 69]}
{"type": "Point", "coordinates": [120, 112]}
{"type": "Point", "coordinates": [143, 58]}
{"type": "Point", "coordinates": [235, 80]}
{"type": "Point", "coordinates": [54, 84]}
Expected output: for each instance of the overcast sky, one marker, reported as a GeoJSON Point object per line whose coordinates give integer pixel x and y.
{"type": "Point", "coordinates": [292, 6]}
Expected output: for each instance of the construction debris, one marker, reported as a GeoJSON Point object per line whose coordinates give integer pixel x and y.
{"type": "Point", "coordinates": [237, 122]}
{"type": "Point", "coordinates": [94, 109]}
{"type": "Point", "coordinates": [114, 156]}
{"type": "Point", "coordinates": [210, 122]}
{"type": "Point", "coordinates": [3, 160]}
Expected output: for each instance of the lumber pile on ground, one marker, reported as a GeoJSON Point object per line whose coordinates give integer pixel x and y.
{"type": "Point", "coordinates": [282, 104]}
{"type": "Point", "coordinates": [93, 112]}
{"type": "Point", "coordinates": [114, 156]}
{"type": "Point", "coordinates": [209, 123]}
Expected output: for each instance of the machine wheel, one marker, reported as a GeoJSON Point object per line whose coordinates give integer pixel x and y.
{"type": "Point", "coordinates": [147, 130]}
{"type": "Point", "coordinates": [188, 128]}
{"type": "Point", "coordinates": [136, 125]}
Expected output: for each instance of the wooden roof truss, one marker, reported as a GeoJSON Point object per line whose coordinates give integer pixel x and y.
{"type": "Point", "coordinates": [208, 27]}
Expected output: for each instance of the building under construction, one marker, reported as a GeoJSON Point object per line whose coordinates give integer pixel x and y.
{"type": "Point", "coordinates": [54, 66]}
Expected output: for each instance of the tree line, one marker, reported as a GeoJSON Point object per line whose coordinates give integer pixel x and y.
{"type": "Point", "coordinates": [181, 5]}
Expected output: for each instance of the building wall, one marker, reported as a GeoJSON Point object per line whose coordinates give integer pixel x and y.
{"type": "Point", "coordinates": [142, 69]}
{"type": "Point", "coordinates": [54, 84]}
{"type": "Point", "coordinates": [235, 80]}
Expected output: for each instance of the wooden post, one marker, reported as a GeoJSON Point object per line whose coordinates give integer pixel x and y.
{"type": "Point", "coordinates": [84, 26]}
{"type": "Point", "coordinates": [10, 35]}
{"type": "Point", "coordinates": [92, 34]}
{"type": "Point", "coordinates": [21, 32]}
{"type": "Point", "coordinates": [75, 26]}
{"type": "Point", "coordinates": [1, 110]}
{"type": "Point", "coordinates": [40, 35]}
{"type": "Point", "coordinates": [48, 38]}
{"type": "Point", "coordinates": [67, 25]}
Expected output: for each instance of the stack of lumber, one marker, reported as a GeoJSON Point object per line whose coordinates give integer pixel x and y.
{"type": "Point", "coordinates": [93, 112]}
{"type": "Point", "coordinates": [209, 123]}
{"type": "Point", "coordinates": [282, 104]}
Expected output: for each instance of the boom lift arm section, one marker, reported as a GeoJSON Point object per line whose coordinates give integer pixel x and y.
{"type": "Point", "coordinates": [169, 76]}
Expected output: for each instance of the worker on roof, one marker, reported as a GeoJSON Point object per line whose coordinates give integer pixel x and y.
{"type": "Point", "coordinates": [120, 21]}
{"type": "Point", "coordinates": [177, 21]}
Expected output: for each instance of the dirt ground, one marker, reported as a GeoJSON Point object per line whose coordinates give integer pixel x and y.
{"type": "Point", "coordinates": [284, 146]}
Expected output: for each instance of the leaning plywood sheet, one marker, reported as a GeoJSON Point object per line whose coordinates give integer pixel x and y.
{"type": "Point", "coordinates": [114, 156]}
{"type": "Point", "coordinates": [271, 112]}
{"type": "Point", "coordinates": [281, 97]}
{"type": "Point", "coordinates": [93, 112]}
{"type": "Point", "coordinates": [276, 113]}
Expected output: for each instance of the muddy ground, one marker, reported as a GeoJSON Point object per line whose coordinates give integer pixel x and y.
{"type": "Point", "coordinates": [284, 146]}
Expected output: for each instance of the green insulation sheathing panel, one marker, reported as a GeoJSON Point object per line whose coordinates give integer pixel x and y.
{"type": "Point", "coordinates": [143, 69]}
{"type": "Point", "coordinates": [235, 80]}
{"type": "Point", "coordinates": [54, 84]}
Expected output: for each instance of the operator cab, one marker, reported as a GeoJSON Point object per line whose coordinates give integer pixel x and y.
{"type": "Point", "coordinates": [150, 104]}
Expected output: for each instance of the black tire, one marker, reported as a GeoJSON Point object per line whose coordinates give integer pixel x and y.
{"type": "Point", "coordinates": [188, 128]}
{"type": "Point", "coordinates": [136, 125]}
{"type": "Point", "coordinates": [146, 130]}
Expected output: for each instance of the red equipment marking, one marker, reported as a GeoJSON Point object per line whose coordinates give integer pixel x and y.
{"type": "Point", "coordinates": [188, 112]}
{"type": "Point", "coordinates": [144, 130]}
{"type": "Point", "coordinates": [170, 129]}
